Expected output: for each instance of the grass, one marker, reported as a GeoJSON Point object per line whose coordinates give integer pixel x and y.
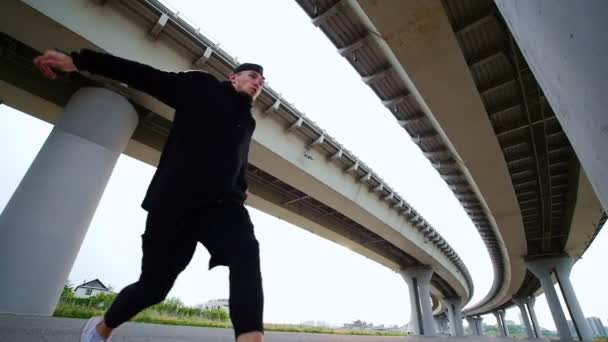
{"type": "Point", "coordinates": [151, 316]}
{"type": "Point", "coordinates": [318, 330]}
{"type": "Point", "coordinates": [76, 311]}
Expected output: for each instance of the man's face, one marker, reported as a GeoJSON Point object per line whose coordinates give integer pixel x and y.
{"type": "Point", "coordinates": [248, 82]}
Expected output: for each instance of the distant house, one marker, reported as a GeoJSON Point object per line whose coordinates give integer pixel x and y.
{"type": "Point", "coordinates": [358, 325]}
{"type": "Point", "coordinates": [216, 304]}
{"type": "Point", "coordinates": [90, 289]}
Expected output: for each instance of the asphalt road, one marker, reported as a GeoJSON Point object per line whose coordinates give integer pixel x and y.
{"type": "Point", "coordinates": [21, 328]}
{"type": "Point", "coordinates": [16, 328]}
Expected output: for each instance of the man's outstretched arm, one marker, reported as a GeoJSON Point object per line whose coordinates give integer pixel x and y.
{"type": "Point", "coordinates": [161, 84]}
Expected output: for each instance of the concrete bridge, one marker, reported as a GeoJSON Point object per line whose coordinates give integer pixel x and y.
{"type": "Point", "coordinates": [296, 170]}
{"type": "Point", "coordinates": [528, 175]}
{"type": "Point", "coordinates": [458, 81]}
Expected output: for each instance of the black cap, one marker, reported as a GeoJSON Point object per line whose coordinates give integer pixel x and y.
{"type": "Point", "coordinates": [250, 66]}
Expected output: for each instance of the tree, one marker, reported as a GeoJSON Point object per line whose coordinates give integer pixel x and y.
{"type": "Point", "coordinates": [171, 305]}
{"type": "Point", "coordinates": [215, 314]}
{"type": "Point", "coordinates": [68, 291]}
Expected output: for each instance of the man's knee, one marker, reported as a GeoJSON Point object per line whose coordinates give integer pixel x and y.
{"type": "Point", "coordinates": [154, 292]}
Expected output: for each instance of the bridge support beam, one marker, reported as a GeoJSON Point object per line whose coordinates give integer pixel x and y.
{"type": "Point", "coordinates": [418, 280]}
{"type": "Point", "coordinates": [478, 323]}
{"type": "Point", "coordinates": [530, 304]}
{"type": "Point", "coordinates": [441, 323]}
{"type": "Point", "coordinates": [475, 325]}
{"type": "Point", "coordinates": [521, 304]}
{"type": "Point", "coordinates": [454, 306]}
{"type": "Point", "coordinates": [45, 221]}
{"type": "Point", "coordinates": [556, 38]}
{"type": "Point", "coordinates": [500, 321]}
{"type": "Point", "coordinates": [560, 267]}
{"type": "Point", "coordinates": [472, 326]}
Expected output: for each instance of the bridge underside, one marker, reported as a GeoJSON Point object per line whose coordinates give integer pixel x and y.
{"type": "Point", "coordinates": [16, 68]}
{"type": "Point", "coordinates": [543, 168]}
{"type": "Point", "coordinates": [454, 79]}
{"type": "Point", "coordinates": [23, 88]}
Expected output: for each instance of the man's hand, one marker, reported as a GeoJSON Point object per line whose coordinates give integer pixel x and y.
{"type": "Point", "coordinates": [246, 194]}
{"type": "Point", "coordinates": [52, 59]}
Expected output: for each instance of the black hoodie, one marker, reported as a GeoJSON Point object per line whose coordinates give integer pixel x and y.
{"type": "Point", "coordinates": [205, 156]}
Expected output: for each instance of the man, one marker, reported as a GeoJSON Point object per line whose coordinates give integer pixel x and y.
{"type": "Point", "coordinates": [198, 191]}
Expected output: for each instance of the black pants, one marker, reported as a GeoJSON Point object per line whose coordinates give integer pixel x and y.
{"type": "Point", "coordinates": [168, 246]}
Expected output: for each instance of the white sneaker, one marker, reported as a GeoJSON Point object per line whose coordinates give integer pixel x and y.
{"type": "Point", "coordinates": [89, 331]}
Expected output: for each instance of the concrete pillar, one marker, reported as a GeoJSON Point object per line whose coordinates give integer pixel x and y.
{"type": "Point", "coordinates": [601, 327]}
{"type": "Point", "coordinates": [521, 304]}
{"type": "Point", "coordinates": [419, 280]}
{"type": "Point", "coordinates": [472, 326]}
{"type": "Point", "coordinates": [560, 42]}
{"type": "Point", "coordinates": [479, 325]}
{"type": "Point", "coordinates": [505, 325]}
{"type": "Point", "coordinates": [45, 221]}
{"type": "Point", "coordinates": [446, 325]}
{"type": "Point", "coordinates": [415, 310]}
{"type": "Point", "coordinates": [442, 325]}
{"type": "Point", "coordinates": [560, 266]}
{"type": "Point", "coordinates": [454, 306]}
{"type": "Point", "coordinates": [596, 326]}
{"type": "Point", "coordinates": [537, 329]}
{"type": "Point", "coordinates": [499, 322]}
{"type": "Point", "coordinates": [439, 325]}
{"type": "Point", "coordinates": [475, 325]}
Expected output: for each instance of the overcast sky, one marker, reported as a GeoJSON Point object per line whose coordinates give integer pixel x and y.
{"type": "Point", "coordinates": [305, 276]}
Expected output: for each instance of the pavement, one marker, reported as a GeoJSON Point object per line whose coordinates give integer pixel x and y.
{"type": "Point", "coordinates": [25, 328]}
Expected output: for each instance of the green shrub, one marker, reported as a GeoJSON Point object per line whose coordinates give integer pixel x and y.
{"type": "Point", "coordinates": [173, 312]}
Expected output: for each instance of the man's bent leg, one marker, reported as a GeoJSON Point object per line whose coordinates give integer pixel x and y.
{"type": "Point", "coordinates": [246, 294]}
{"type": "Point", "coordinates": [135, 298]}
{"type": "Point", "coordinates": [167, 250]}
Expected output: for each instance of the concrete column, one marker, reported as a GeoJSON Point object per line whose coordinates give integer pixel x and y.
{"type": "Point", "coordinates": [438, 324]}
{"type": "Point", "coordinates": [537, 329]}
{"type": "Point", "coordinates": [415, 310]}
{"type": "Point", "coordinates": [441, 322]}
{"type": "Point", "coordinates": [445, 328]}
{"type": "Point", "coordinates": [560, 42]}
{"type": "Point", "coordinates": [475, 325]}
{"type": "Point", "coordinates": [446, 325]}
{"type": "Point", "coordinates": [472, 326]}
{"type": "Point", "coordinates": [419, 280]}
{"type": "Point", "coordinates": [442, 325]}
{"type": "Point", "coordinates": [454, 315]}
{"type": "Point", "coordinates": [596, 326]}
{"type": "Point", "coordinates": [562, 268]}
{"type": "Point", "coordinates": [479, 325]}
{"type": "Point", "coordinates": [504, 322]}
{"type": "Point", "coordinates": [501, 327]}
{"type": "Point", "coordinates": [601, 327]}
{"type": "Point", "coordinates": [543, 269]}
{"type": "Point", "coordinates": [521, 304]}
{"type": "Point", "coordinates": [45, 221]}
{"type": "Point", "coordinates": [424, 286]}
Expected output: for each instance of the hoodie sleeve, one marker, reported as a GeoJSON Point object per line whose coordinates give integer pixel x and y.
{"type": "Point", "coordinates": [162, 85]}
